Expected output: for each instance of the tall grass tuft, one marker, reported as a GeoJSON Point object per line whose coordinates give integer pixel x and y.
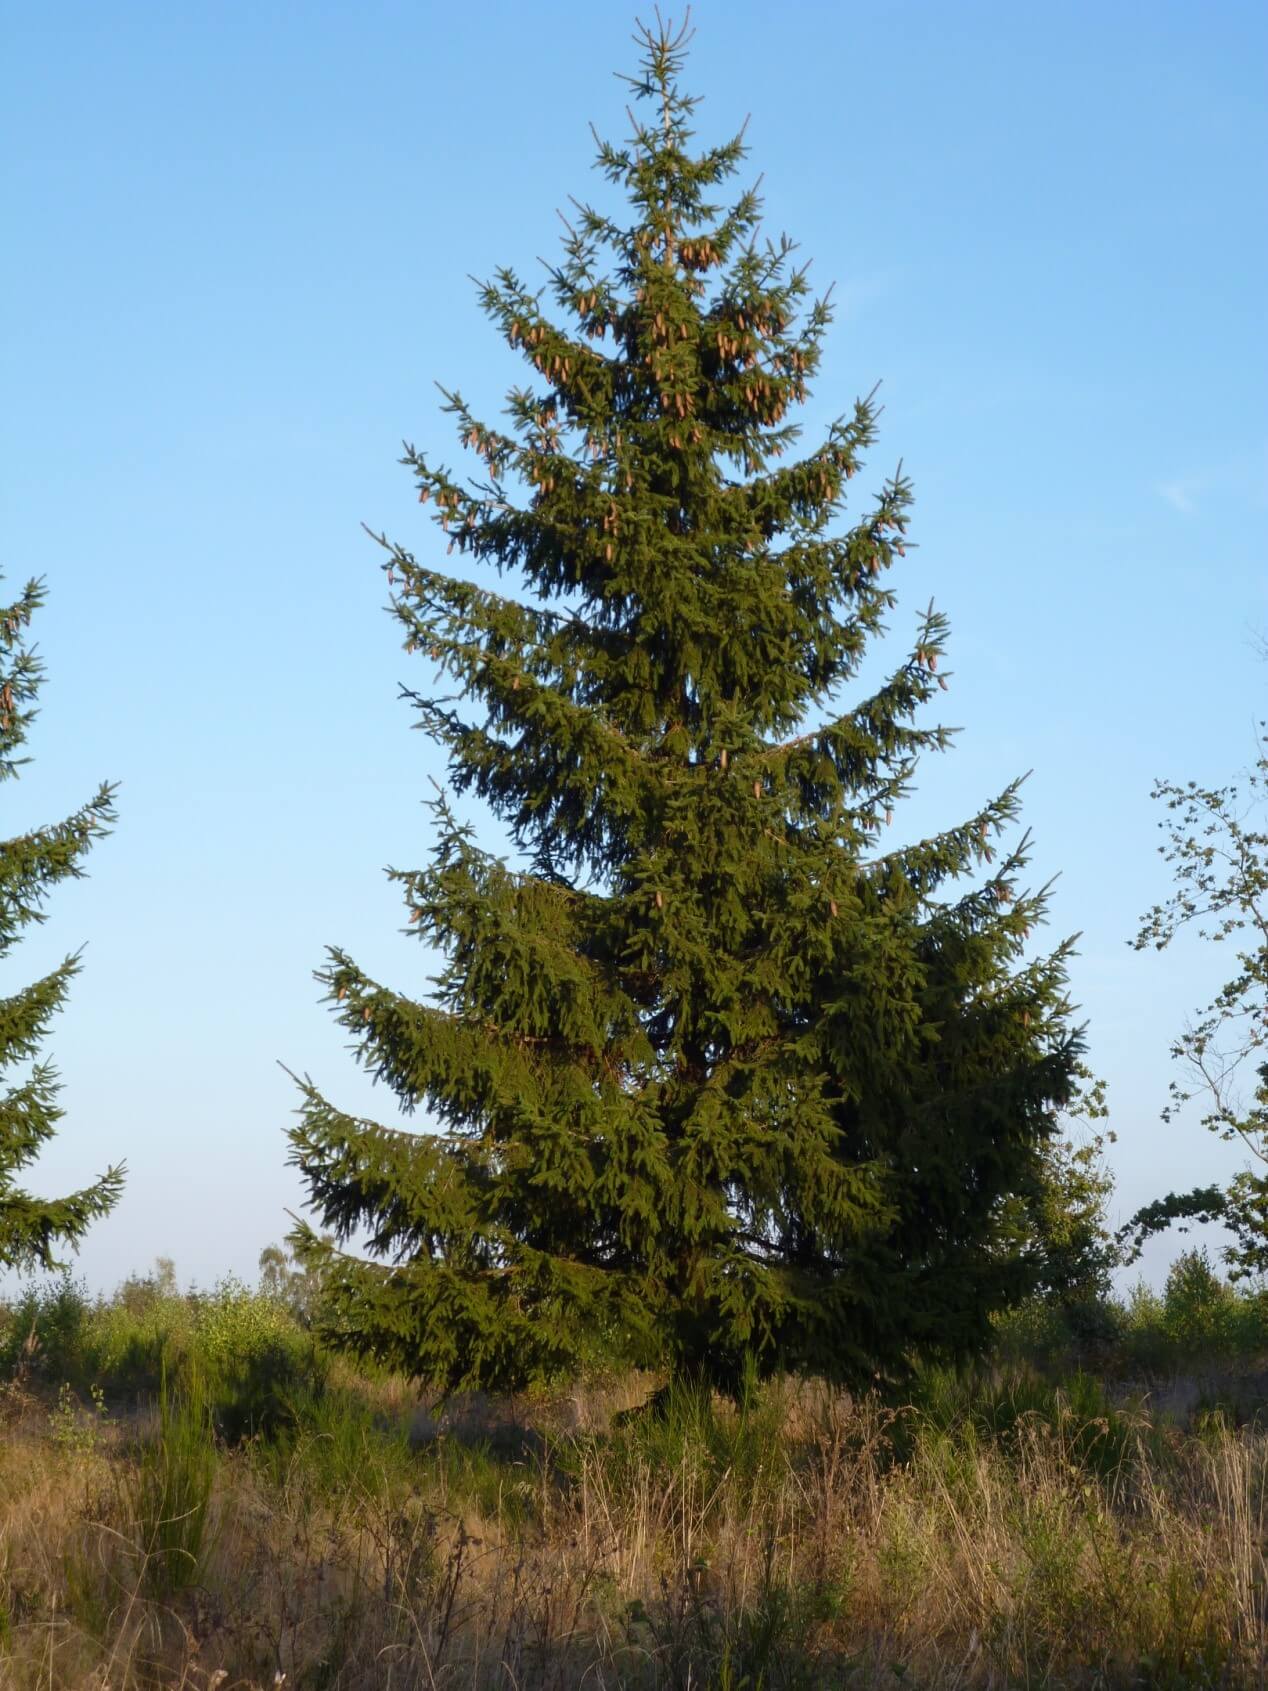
{"type": "Point", "coordinates": [171, 1485]}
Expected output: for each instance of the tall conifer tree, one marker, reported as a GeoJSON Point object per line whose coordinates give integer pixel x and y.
{"type": "Point", "coordinates": [31, 864]}
{"type": "Point", "coordinates": [713, 1072]}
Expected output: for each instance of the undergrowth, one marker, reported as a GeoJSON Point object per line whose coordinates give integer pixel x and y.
{"type": "Point", "coordinates": [193, 1496]}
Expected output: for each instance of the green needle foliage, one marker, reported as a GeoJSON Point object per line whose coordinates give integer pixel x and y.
{"type": "Point", "coordinates": [722, 1079]}
{"type": "Point", "coordinates": [31, 864]}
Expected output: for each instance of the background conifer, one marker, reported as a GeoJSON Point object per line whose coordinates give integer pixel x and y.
{"type": "Point", "coordinates": [32, 1228]}
{"type": "Point", "coordinates": [717, 1073]}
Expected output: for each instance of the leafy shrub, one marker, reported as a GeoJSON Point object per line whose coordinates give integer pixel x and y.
{"type": "Point", "coordinates": [132, 1338]}
{"type": "Point", "coordinates": [1197, 1319]}
{"type": "Point", "coordinates": [250, 1350]}
{"type": "Point", "coordinates": [257, 1358]}
{"type": "Point", "coordinates": [1198, 1308]}
{"type": "Point", "coordinates": [236, 1326]}
{"type": "Point", "coordinates": [1060, 1335]}
{"type": "Point", "coordinates": [76, 1427]}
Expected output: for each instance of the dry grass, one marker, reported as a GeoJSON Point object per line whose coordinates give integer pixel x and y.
{"type": "Point", "coordinates": [817, 1541]}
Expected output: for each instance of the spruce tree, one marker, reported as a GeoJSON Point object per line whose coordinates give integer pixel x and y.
{"type": "Point", "coordinates": [714, 1075]}
{"type": "Point", "coordinates": [31, 864]}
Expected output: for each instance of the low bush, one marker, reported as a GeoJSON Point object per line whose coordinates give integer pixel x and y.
{"type": "Point", "coordinates": [249, 1349]}
{"type": "Point", "coordinates": [1198, 1320]}
{"type": "Point", "coordinates": [258, 1359]}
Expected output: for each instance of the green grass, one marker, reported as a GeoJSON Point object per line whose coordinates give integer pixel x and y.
{"type": "Point", "coordinates": [169, 1486]}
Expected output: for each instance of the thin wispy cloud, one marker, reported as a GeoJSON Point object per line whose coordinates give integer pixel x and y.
{"type": "Point", "coordinates": [1181, 494]}
{"type": "Point", "coordinates": [853, 298]}
{"type": "Point", "coordinates": [1244, 476]}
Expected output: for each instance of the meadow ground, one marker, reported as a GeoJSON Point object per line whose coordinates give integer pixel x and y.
{"type": "Point", "coordinates": [193, 1496]}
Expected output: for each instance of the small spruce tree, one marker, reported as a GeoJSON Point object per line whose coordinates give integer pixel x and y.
{"type": "Point", "coordinates": [716, 1078]}
{"type": "Point", "coordinates": [32, 1228]}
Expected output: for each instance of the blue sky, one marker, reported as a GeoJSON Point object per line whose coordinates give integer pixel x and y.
{"type": "Point", "coordinates": [241, 239]}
